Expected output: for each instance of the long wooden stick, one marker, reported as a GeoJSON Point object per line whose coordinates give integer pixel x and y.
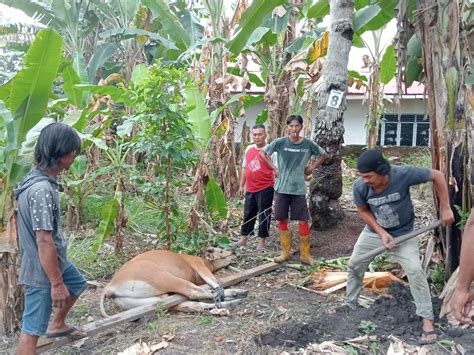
{"type": "Point", "coordinates": [138, 312]}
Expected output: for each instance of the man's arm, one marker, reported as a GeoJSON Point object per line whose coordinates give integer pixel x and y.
{"type": "Point", "coordinates": [466, 266]}
{"type": "Point", "coordinates": [369, 219]}
{"type": "Point", "coordinates": [318, 162]}
{"type": "Point", "coordinates": [266, 158]}
{"type": "Point", "coordinates": [242, 181]}
{"type": "Point", "coordinates": [445, 211]}
{"type": "Point", "coordinates": [462, 299]}
{"type": "Point", "coordinates": [49, 260]}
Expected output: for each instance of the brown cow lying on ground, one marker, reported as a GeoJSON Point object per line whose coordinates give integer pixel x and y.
{"type": "Point", "coordinates": [155, 274]}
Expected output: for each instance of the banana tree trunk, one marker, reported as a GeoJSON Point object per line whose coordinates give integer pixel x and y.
{"type": "Point", "coordinates": [11, 294]}
{"type": "Point", "coordinates": [375, 106]}
{"type": "Point", "coordinates": [326, 187]}
{"type": "Point", "coordinates": [443, 58]}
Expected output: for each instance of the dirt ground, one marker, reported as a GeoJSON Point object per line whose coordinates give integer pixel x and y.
{"type": "Point", "coordinates": [276, 317]}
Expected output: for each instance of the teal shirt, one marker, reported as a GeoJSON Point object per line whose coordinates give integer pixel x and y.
{"type": "Point", "coordinates": [292, 160]}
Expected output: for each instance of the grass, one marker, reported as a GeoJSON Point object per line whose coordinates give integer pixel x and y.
{"type": "Point", "coordinates": [91, 210]}
{"type": "Point", "coordinates": [421, 159]}
{"type": "Point", "coordinates": [141, 219]}
{"type": "Point", "coordinates": [79, 252]}
{"type": "Point", "coordinates": [350, 160]}
{"type": "Point", "coordinates": [205, 320]}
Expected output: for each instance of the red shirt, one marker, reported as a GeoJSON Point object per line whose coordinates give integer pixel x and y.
{"type": "Point", "coordinates": [258, 174]}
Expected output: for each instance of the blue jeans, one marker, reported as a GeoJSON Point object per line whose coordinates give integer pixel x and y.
{"type": "Point", "coordinates": [38, 302]}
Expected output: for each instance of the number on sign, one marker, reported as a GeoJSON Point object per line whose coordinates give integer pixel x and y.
{"type": "Point", "coordinates": [335, 99]}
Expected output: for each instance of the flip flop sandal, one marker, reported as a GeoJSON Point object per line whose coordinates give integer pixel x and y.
{"type": "Point", "coordinates": [67, 333]}
{"type": "Point", "coordinates": [425, 334]}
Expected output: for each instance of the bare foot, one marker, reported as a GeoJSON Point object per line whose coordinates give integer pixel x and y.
{"type": "Point", "coordinates": [261, 244]}
{"type": "Point", "coordinates": [243, 241]}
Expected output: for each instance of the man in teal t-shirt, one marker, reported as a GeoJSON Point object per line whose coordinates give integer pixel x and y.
{"type": "Point", "coordinates": [294, 153]}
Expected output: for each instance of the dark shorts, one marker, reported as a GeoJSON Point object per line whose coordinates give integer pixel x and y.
{"type": "Point", "coordinates": [38, 302]}
{"type": "Point", "coordinates": [293, 205]}
{"type": "Point", "coordinates": [257, 204]}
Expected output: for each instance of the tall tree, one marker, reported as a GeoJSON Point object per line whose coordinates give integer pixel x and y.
{"type": "Point", "coordinates": [446, 59]}
{"type": "Point", "coordinates": [326, 187]}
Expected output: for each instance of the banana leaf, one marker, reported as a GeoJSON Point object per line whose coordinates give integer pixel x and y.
{"type": "Point", "coordinates": [171, 25]}
{"type": "Point", "coordinates": [388, 65]}
{"type": "Point", "coordinates": [101, 55]}
{"type": "Point", "coordinates": [198, 115]}
{"type": "Point", "coordinates": [215, 200]}
{"type": "Point", "coordinates": [251, 20]}
{"type": "Point", "coordinates": [71, 78]}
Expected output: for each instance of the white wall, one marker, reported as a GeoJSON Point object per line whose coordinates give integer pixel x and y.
{"type": "Point", "coordinates": [355, 117]}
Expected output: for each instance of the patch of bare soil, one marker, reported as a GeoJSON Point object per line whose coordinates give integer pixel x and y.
{"type": "Point", "coordinates": [338, 241]}
{"type": "Point", "coordinates": [387, 316]}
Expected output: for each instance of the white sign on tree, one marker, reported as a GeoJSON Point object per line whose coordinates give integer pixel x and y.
{"type": "Point", "coordinates": [335, 99]}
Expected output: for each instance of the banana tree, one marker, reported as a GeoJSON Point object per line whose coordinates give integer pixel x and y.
{"type": "Point", "coordinates": [74, 21]}
{"type": "Point", "coordinates": [382, 70]}
{"type": "Point", "coordinates": [95, 33]}
{"type": "Point", "coordinates": [268, 45]}
{"type": "Point", "coordinates": [209, 59]}
{"type": "Point", "coordinates": [25, 101]}
{"type": "Point", "coordinates": [446, 62]}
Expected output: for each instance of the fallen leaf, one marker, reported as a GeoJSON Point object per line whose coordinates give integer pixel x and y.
{"type": "Point", "coordinates": [80, 342]}
{"type": "Point", "coordinates": [218, 339]}
{"type": "Point", "coordinates": [137, 349]}
{"type": "Point", "coordinates": [168, 337]}
{"type": "Point", "coordinates": [161, 345]}
{"type": "Point", "coordinates": [220, 312]}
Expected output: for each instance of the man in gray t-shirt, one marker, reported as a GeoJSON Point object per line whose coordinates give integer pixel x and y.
{"type": "Point", "coordinates": [49, 279]}
{"type": "Point", "coordinates": [382, 197]}
{"type": "Point", "coordinates": [293, 154]}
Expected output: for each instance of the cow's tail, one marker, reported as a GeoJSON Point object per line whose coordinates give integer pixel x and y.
{"type": "Point", "coordinates": [102, 299]}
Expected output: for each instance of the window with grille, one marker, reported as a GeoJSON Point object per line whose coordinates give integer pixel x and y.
{"type": "Point", "coordinates": [406, 130]}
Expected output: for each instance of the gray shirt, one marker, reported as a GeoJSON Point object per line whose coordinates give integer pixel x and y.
{"type": "Point", "coordinates": [292, 160]}
{"type": "Point", "coordinates": [38, 209]}
{"type": "Point", "coordinates": [392, 208]}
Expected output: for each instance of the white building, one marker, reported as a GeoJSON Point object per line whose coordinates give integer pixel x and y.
{"type": "Point", "coordinates": [410, 128]}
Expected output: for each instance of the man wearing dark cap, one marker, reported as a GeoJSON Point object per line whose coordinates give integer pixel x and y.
{"type": "Point", "coordinates": [382, 197]}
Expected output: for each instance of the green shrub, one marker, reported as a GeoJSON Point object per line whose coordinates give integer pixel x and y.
{"type": "Point", "coordinates": [367, 327]}
{"type": "Point", "coordinates": [437, 277]}
{"type": "Point", "coordinates": [92, 267]}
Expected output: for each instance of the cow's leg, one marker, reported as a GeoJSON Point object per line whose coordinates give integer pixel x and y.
{"type": "Point", "coordinates": [208, 277]}
{"type": "Point", "coordinates": [175, 284]}
{"type": "Point", "coordinates": [192, 306]}
{"type": "Point", "coordinates": [205, 274]}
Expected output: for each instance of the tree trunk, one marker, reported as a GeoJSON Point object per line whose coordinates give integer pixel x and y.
{"type": "Point", "coordinates": [11, 293]}
{"type": "Point", "coordinates": [375, 105]}
{"type": "Point", "coordinates": [444, 63]}
{"type": "Point", "coordinates": [326, 187]}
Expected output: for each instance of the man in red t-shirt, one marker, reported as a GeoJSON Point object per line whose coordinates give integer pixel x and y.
{"type": "Point", "coordinates": [257, 179]}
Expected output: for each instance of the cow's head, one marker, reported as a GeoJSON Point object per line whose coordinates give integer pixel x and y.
{"type": "Point", "coordinates": [218, 257]}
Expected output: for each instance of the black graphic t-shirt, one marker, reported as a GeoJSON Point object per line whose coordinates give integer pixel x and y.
{"type": "Point", "coordinates": [392, 207]}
